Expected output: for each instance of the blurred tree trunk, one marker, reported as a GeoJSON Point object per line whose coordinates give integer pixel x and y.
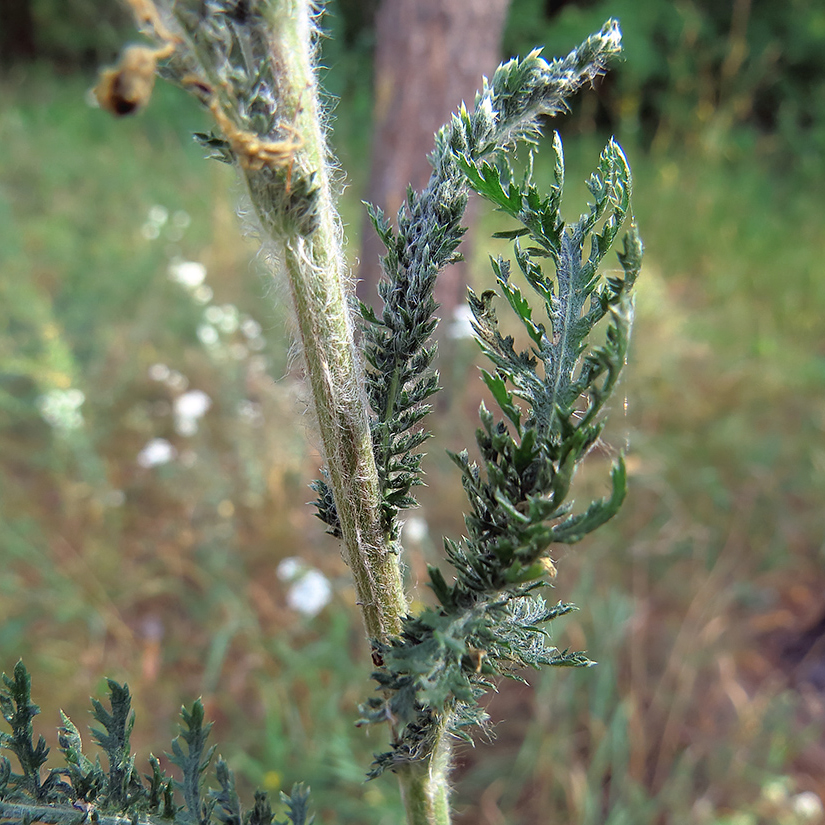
{"type": "Point", "coordinates": [430, 55]}
{"type": "Point", "coordinates": [16, 31]}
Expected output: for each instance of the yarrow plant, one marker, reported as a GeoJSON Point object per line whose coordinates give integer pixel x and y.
{"type": "Point", "coordinates": [252, 65]}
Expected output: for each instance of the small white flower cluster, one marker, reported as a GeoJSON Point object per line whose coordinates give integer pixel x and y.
{"type": "Point", "coordinates": [190, 274]}
{"type": "Point", "coordinates": [805, 807]}
{"type": "Point", "coordinates": [157, 451]}
{"type": "Point", "coordinates": [461, 324]}
{"type": "Point", "coordinates": [173, 379]}
{"type": "Point", "coordinates": [61, 408]}
{"type": "Point", "coordinates": [416, 530]}
{"type": "Point", "coordinates": [158, 220]}
{"type": "Point", "coordinates": [189, 407]}
{"type": "Point", "coordinates": [217, 320]}
{"type": "Point", "coordinates": [226, 320]}
{"type": "Point", "coordinates": [310, 591]}
{"type": "Point", "coordinates": [808, 806]}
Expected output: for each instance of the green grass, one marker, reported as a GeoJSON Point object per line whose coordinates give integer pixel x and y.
{"type": "Point", "coordinates": [688, 717]}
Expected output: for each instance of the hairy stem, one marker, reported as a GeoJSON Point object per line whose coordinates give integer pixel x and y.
{"type": "Point", "coordinates": [425, 788]}
{"type": "Point", "coordinates": [321, 307]}
{"type": "Point", "coordinates": [314, 266]}
{"type": "Point", "coordinates": [315, 270]}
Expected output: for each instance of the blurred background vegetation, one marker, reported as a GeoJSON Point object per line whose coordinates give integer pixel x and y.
{"type": "Point", "coordinates": [155, 446]}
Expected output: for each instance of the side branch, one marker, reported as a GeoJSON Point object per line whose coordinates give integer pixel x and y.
{"type": "Point", "coordinates": [21, 813]}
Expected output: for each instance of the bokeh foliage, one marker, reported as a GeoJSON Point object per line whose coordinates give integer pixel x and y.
{"type": "Point", "coordinates": [727, 76]}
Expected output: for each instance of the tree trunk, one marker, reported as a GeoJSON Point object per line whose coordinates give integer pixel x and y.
{"type": "Point", "coordinates": [430, 56]}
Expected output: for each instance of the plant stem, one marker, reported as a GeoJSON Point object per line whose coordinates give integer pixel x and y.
{"type": "Point", "coordinates": [315, 270]}
{"type": "Point", "coordinates": [321, 308]}
{"type": "Point", "coordinates": [318, 284]}
{"type": "Point", "coordinates": [294, 205]}
{"type": "Point", "coordinates": [425, 796]}
{"type": "Point", "coordinates": [425, 788]}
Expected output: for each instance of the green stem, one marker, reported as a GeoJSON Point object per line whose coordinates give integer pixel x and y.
{"type": "Point", "coordinates": [315, 269]}
{"type": "Point", "coordinates": [425, 789]}
{"type": "Point", "coordinates": [426, 800]}
{"type": "Point", "coordinates": [314, 265]}
{"type": "Point", "coordinates": [336, 384]}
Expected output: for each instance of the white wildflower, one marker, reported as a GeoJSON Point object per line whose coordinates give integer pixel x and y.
{"type": "Point", "coordinates": [157, 451]}
{"type": "Point", "coordinates": [177, 381]}
{"type": "Point", "coordinates": [189, 274]}
{"type": "Point", "coordinates": [250, 328]}
{"type": "Point", "coordinates": [461, 323]}
{"type": "Point", "coordinates": [808, 806]}
{"type": "Point", "coordinates": [158, 214]}
{"type": "Point", "coordinates": [192, 404]}
{"type": "Point", "coordinates": [290, 568]}
{"type": "Point", "coordinates": [310, 593]}
{"type": "Point", "coordinates": [189, 409]}
{"type": "Point", "coordinates": [159, 372]}
{"type": "Point", "coordinates": [181, 219]}
{"type": "Point", "coordinates": [230, 320]}
{"type": "Point", "coordinates": [202, 294]}
{"type": "Point", "coordinates": [61, 408]}
{"type": "Point", "coordinates": [208, 335]}
{"type": "Point", "coordinates": [416, 529]}
{"type": "Point", "coordinates": [213, 315]}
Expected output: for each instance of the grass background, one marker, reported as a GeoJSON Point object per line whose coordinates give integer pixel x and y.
{"type": "Point", "coordinates": [700, 601]}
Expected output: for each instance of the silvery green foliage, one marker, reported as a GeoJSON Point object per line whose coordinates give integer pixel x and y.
{"type": "Point", "coordinates": [228, 43]}
{"type": "Point", "coordinates": [490, 619]}
{"type": "Point", "coordinates": [397, 342]}
{"type": "Point", "coordinates": [83, 791]}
